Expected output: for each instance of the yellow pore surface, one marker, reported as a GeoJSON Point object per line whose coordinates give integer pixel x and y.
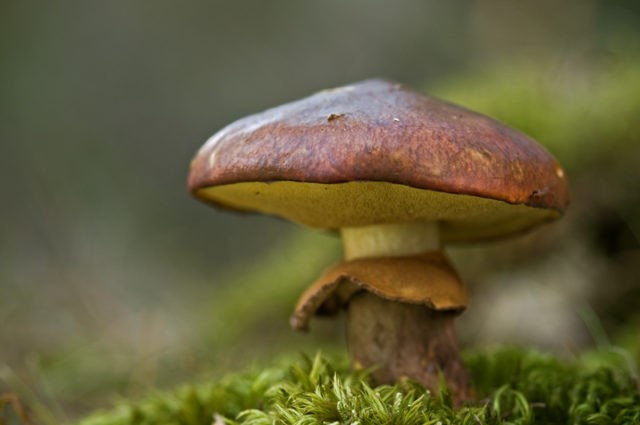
{"type": "Point", "coordinates": [352, 204]}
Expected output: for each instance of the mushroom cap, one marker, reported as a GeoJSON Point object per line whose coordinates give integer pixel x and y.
{"type": "Point", "coordinates": [426, 279]}
{"type": "Point", "coordinates": [377, 152]}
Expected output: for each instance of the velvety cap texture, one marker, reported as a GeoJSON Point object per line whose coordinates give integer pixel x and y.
{"type": "Point", "coordinates": [377, 131]}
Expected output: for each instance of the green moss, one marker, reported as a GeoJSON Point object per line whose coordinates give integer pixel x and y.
{"type": "Point", "coordinates": [513, 386]}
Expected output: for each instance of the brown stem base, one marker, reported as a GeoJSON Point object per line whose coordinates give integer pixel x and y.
{"type": "Point", "coordinates": [403, 340]}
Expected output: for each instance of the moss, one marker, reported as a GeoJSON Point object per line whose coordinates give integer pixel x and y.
{"type": "Point", "coordinates": [514, 387]}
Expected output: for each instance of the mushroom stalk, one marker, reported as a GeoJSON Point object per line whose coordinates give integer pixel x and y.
{"type": "Point", "coordinates": [390, 240]}
{"type": "Point", "coordinates": [401, 339]}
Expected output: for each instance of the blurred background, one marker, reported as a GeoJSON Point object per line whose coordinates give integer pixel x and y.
{"type": "Point", "coordinates": [114, 282]}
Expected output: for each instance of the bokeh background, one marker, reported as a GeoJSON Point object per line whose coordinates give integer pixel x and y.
{"type": "Point", "coordinates": [114, 282]}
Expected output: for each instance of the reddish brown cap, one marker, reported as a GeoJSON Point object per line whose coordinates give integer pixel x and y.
{"type": "Point", "coordinates": [491, 179]}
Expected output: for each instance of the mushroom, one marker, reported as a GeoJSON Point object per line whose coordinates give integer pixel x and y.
{"type": "Point", "coordinates": [398, 174]}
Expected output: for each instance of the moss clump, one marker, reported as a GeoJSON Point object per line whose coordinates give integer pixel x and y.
{"type": "Point", "coordinates": [514, 387]}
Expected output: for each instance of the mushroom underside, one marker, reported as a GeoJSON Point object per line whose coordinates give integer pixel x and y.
{"type": "Point", "coordinates": [462, 217]}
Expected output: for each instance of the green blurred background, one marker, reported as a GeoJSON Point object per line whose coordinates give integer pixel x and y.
{"type": "Point", "coordinates": [114, 282]}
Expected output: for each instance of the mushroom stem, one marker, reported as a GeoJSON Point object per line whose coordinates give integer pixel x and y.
{"type": "Point", "coordinates": [390, 240]}
{"type": "Point", "coordinates": [403, 340]}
